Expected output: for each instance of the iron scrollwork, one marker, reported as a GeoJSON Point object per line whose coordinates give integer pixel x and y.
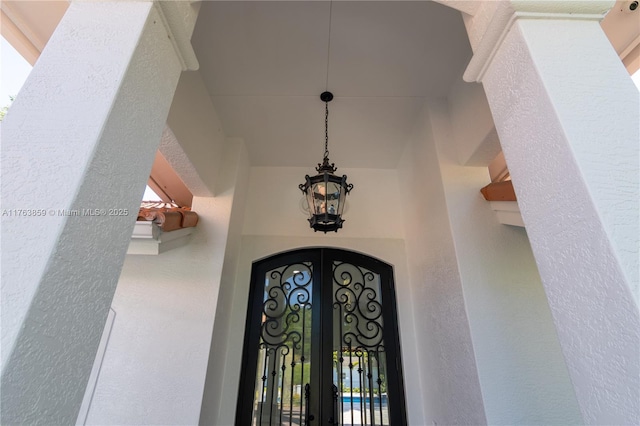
{"type": "Point", "coordinates": [284, 340]}
{"type": "Point", "coordinates": [294, 381]}
{"type": "Point", "coordinates": [357, 300]}
{"type": "Point", "coordinates": [288, 295]}
{"type": "Point", "coordinates": [360, 351]}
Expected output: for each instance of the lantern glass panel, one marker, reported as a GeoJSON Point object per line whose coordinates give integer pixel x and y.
{"type": "Point", "coordinates": [319, 191]}
{"type": "Point", "coordinates": [343, 197]}
{"type": "Point", "coordinates": [310, 201]}
{"type": "Point", "coordinates": [333, 198]}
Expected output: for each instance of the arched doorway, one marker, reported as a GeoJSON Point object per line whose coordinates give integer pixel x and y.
{"type": "Point", "coordinates": [321, 342]}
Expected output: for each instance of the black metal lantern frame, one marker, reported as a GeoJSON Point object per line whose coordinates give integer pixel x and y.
{"type": "Point", "coordinates": [326, 193]}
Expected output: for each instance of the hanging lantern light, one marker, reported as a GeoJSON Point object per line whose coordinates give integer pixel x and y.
{"type": "Point", "coordinates": [326, 193]}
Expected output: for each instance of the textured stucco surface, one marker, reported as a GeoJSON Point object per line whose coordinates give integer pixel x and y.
{"type": "Point", "coordinates": [476, 140]}
{"type": "Point", "coordinates": [196, 126]}
{"type": "Point", "coordinates": [455, 353]}
{"type": "Point", "coordinates": [567, 116]}
{"type": "Point", "coordinates": [81, 135]}
{"type": "Point", "coordinates": [180, 162]}
{"type": "Point", "coordinates": [153, 368]}
{"type": "Point", "coordinates": [155, 365]}
{"type": "Point", "coordinates": [522, 372]}
{"type": "Point", "coordinates": [447, 369]}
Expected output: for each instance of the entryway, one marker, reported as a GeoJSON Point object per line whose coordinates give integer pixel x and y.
{"type": "Point", "coordinates": [321, 342]}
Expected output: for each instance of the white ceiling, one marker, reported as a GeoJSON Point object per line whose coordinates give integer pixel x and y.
{"type": "Point", "coordinates": [265, 64]}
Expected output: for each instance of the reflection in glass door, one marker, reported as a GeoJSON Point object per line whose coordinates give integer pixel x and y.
{"type": "Point", "coordinates": [285, 346]}
{"type": "Point", "coordinates": [359, 369]}
{"type": "Point", "coordinates": [321, 342]}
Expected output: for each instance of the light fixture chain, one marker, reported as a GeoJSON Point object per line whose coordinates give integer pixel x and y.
{"type": "Point", "coordinates": [326, 130]}
{"type": "Point", "coordinates": [329, 45]}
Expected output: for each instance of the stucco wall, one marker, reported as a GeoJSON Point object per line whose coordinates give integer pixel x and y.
{"type": "Point", "coordinates": [447, 370]}
{"type": "Point", "coordinates": [488, 348]}
{"type": "Point", "coordinates": [152, 372]}
{"type": "Point", "coordinates": [476, 139]}
{"type": "Point", "coordinates": [196, 126]}
{"type": "Point", "coordinates": [475, 328]}
{"type": "Point", "coordinates": [523, 376]}
{"type": "Point", "coordinates": [275, 204]}
{"type": "Point", "coordinates": [478, 343]}
{"type": "Point", "coordinates": [215, 367]}
{"type": "Point", "coordinates": [154, 367]}
{"type": "Point", "coordinates": [570, 132]}
{"type": "Point", "coordinates": [80, 136]}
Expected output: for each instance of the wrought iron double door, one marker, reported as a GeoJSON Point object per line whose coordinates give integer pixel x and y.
{"type": "Point", "coordinates": [321, 342]}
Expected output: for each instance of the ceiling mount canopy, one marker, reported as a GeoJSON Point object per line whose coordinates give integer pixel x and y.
{"type": "Point", "coordinates": [326, 97]}
{"type": "Point", "coordinates": [325, 192]}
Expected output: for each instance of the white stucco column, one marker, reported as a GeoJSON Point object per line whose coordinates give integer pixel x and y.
{"type": "Point", "coordinates": [77, 148]}
{"type": "Point", "coordinates": [567, 115]}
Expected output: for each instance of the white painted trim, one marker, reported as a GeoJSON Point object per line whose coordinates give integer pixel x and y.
{"type": "Point", "coordinates": [180, 40]}
{"type": "Point", "coordinates": [23, 27]}
{"type": "Point", "coordinates": [632, 45]}
{"type": "Point", "coordinates": [500, 25]}
{"type": "Point", "coordinates": [149, 239]}
{"type": "Point", "coordinates": [18, 39]}
{"type": "Point", "coordinates": [95, 371]}
{"type": "Point", "coordinates": [507, 212]}
{"type": "Point", "coordinates": [470, 7]}
{"type": "Point", "coordinates": [145, 230]}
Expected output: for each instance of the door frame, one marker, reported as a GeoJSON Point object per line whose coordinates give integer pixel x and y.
{"type": "Point", "coordinates": [323, 256]}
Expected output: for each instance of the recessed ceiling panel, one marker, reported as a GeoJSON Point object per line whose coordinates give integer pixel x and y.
{"type": "Point", "coordinates": [265, 64]}
{"type": "Point", "coordinates": [263, 48]}
{"type": "Point", "coordinates": [288, 131]}
{"type": "Point", "coordinates": [415, 48]}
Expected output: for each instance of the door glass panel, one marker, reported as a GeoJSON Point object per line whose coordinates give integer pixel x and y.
{"type": "Point", "coordinates": [359, 362]}
{"type": "Point", "coordinates": [285, 346]}
{"type": "Point", "coordinates": [333, 371]}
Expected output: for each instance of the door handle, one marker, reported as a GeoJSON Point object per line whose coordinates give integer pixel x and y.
{"type": "Point", "coordinates": [334, 399]}
{"type": "Point", "coordinates": [307, 395]}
